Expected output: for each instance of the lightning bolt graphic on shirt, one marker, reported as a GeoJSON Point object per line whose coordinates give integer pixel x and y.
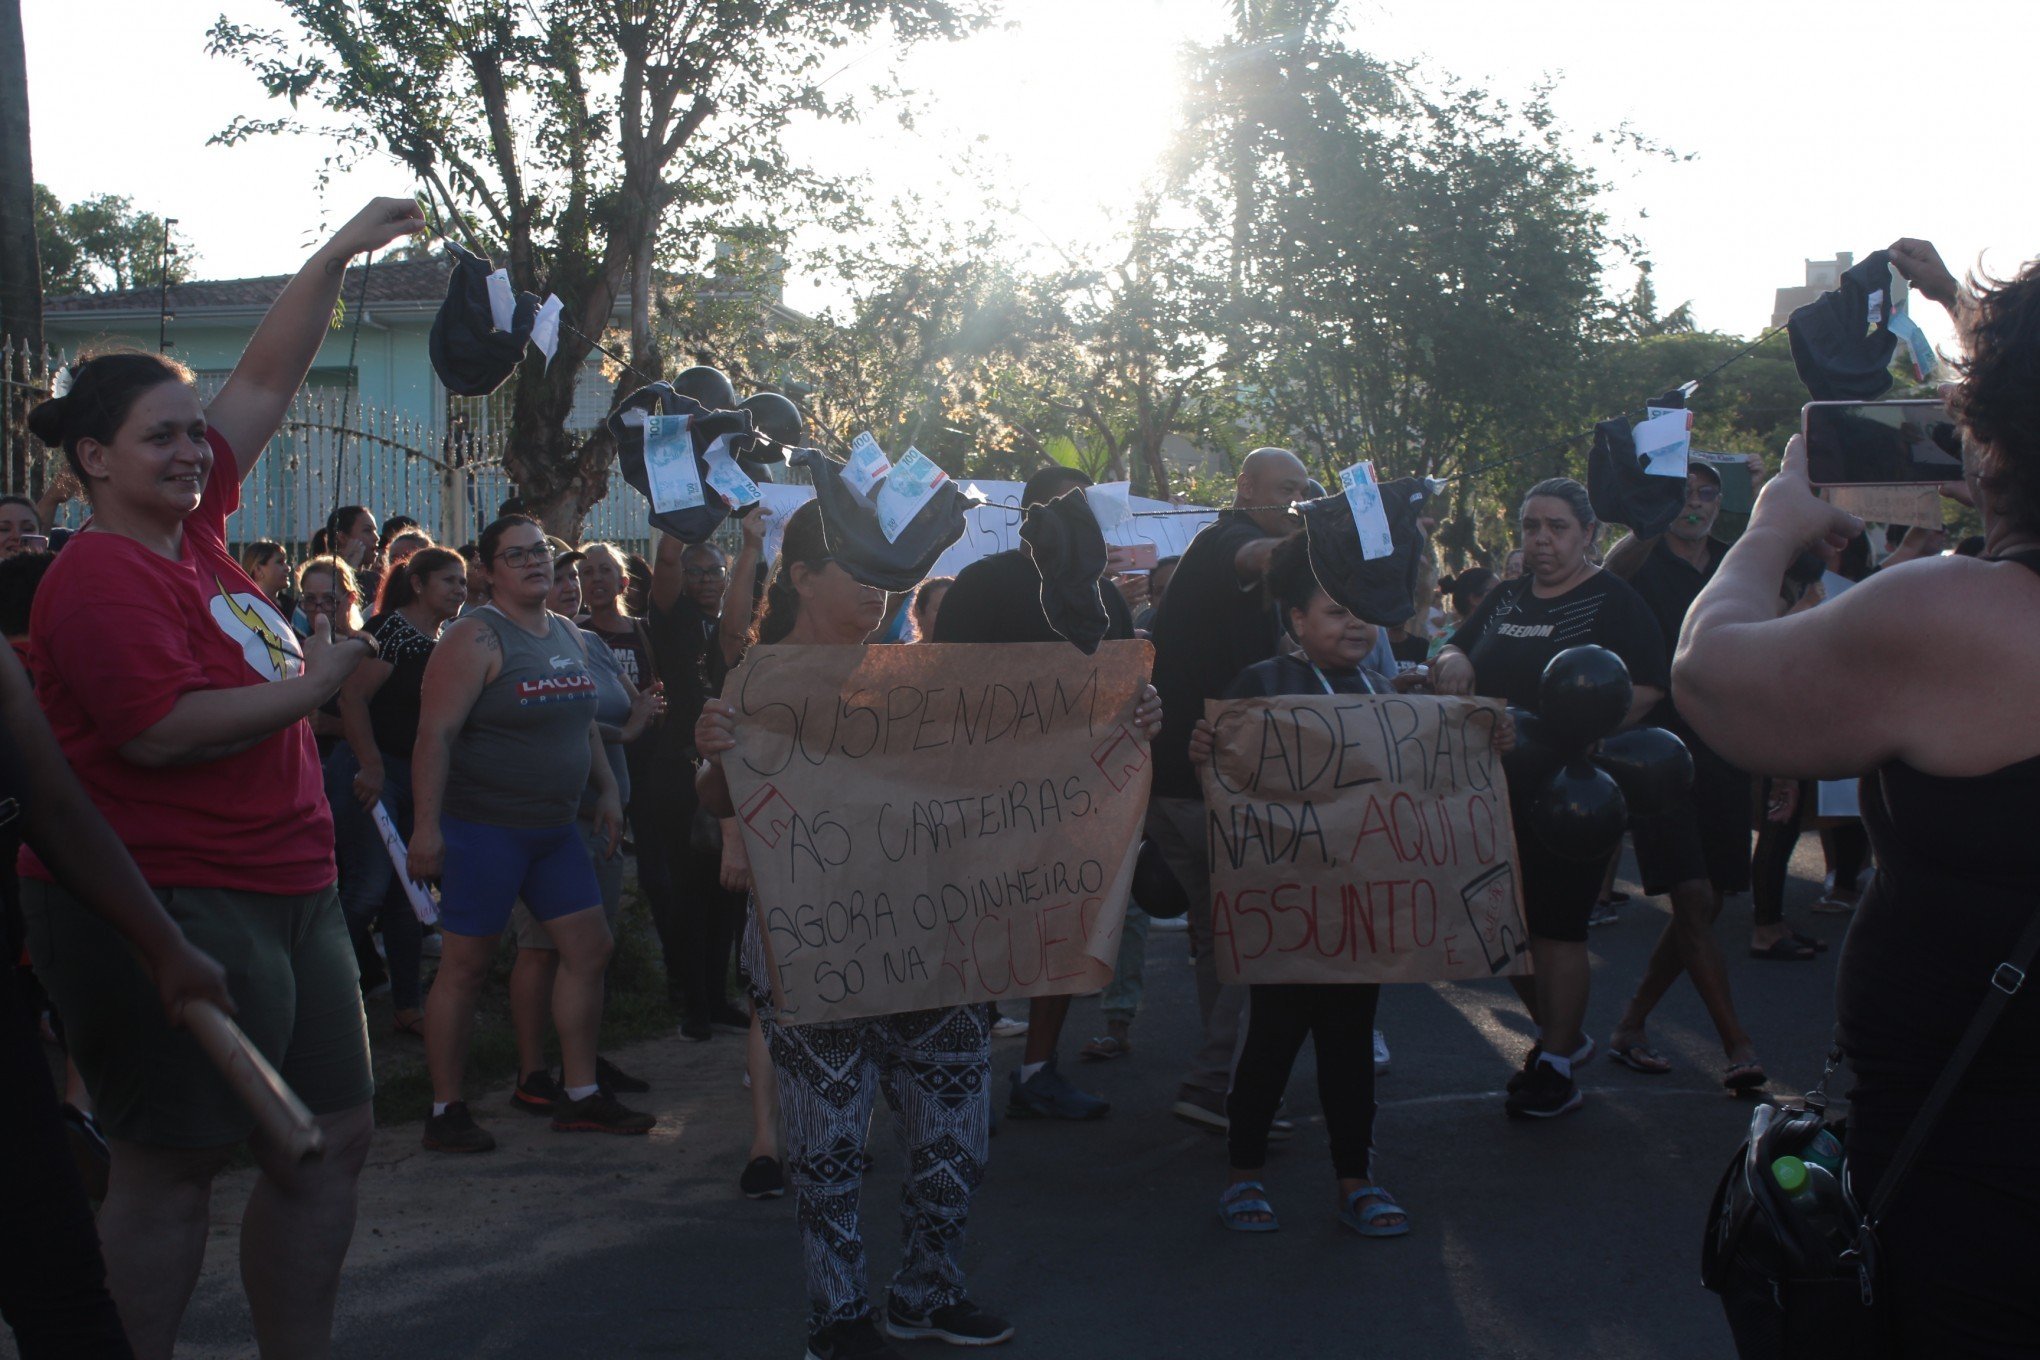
{"type": "Point", "coordinates": [279, 655]}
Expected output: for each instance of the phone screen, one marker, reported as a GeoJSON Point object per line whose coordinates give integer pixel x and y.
{"type": "Point", "coordinates": [1881, 443]}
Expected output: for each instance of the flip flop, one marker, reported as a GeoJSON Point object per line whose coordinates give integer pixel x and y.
{"type": "Point", "coordinates": [1833, 906]}
{"type": "Point", "coordinates": [1105, 1048]}
{"type": "Point", "coordinates": [1745, 1078]}
{"type": "Point", "coordinates": [1819, 946]}
{"type": "Point", "coordinates": [413, 1029]}
{"type": "Point", "coordinates": [1366, 1221]}
{"type": "Point", "coordinates": [1788, 949]}
{"type": "Point", "coordinates": [1639, 1058]}
{"type": "Point", "coordinates": [1242, 1198]}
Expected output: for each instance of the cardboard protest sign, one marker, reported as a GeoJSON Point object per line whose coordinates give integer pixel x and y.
{"type": "Point", "coordinates": [933, 825]}
{"type": "Point", "coordinates": [1361, 838]}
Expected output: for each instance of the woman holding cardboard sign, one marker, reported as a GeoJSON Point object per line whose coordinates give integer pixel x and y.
{"type": "Point", "coordinates": [1564, 601]}
{"type": "Point", "coordinates": [933, 1065]}
{"type": "Point", "coordinates": [1338, 1017]}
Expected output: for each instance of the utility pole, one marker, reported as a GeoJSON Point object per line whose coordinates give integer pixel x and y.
{"type": "Point", "coordinates": [164, 316]}
{"type": "Point", "coordinates": [21, 320]}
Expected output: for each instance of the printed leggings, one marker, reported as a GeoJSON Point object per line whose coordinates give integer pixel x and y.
{"type": "Point", "coordinates": [935, 1070]}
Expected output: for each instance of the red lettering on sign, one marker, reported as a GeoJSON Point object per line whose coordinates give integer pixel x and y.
{"type": "Point", "coordinates": [768, 814]}
{"type": "Point", "coordinates": [1119, 758]}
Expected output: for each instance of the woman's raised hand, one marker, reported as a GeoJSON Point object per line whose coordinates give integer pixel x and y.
{"type": "Point", "coordinates": [378, 224]}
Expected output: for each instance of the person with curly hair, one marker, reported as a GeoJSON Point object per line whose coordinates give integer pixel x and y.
{"type": "Point", "coordinates": [1917, 680]}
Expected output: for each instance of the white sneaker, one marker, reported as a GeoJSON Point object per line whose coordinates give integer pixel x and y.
{"type": "Point", "coordinates": [1005, 1027]}
{"type": "Point", "coordinates": [1380, 1053]}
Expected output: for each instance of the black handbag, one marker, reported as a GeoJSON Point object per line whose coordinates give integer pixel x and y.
{"type": "Point", "coordinates": [1786, 1288]}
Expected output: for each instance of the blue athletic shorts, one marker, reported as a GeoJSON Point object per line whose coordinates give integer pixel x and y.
{"type": "Point", "coordinates": [489, 868]}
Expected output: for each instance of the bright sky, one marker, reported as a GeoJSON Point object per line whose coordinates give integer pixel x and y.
{"type": "Point", "coordinates": [1814, 129]}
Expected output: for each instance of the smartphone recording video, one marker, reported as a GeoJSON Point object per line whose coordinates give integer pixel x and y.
{"type": "Point", "coordinates": [1881, 443]}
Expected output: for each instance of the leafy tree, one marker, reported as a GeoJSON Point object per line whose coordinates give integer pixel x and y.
{"type": "Point", "coordinates": [589, 143]}
{"type": "Point", "coordinates": [1416, 267]}
{"type": "Point", "coordinates": [1151, 365]}
{"type": "Point", "coordinates": [102, 244]}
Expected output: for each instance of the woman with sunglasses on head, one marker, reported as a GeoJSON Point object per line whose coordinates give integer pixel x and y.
{"type": "Point", "coordinates": [507, 740]}
{"type": "Point", "coordinates": [178, 693]}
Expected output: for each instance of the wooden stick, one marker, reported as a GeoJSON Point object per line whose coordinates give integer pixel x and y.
{"type": "Point", "coordinates": [275, 1106]}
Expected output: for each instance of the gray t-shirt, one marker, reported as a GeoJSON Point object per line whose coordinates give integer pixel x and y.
{"type": "Point", "coordinates": [521, 759]}
{"type": "Point", "coordinates": [612, 709]}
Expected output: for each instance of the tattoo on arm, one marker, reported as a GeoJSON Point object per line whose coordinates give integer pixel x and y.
{"type": "Point", "coordinates": [485, 637]}
{"type": "Point", "coordinates": [336, 266]}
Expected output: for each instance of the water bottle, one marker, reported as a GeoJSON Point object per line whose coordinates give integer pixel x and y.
{"type": "Point", "coordinates": [1824, 1151]}
{"type": "Point", "coordinates": [1821, 1217]}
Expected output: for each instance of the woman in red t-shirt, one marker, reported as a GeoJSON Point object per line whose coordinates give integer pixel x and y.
{"type": "Point", "coordinates": [179, 693]}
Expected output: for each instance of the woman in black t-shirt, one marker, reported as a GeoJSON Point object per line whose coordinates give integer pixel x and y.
{"type": "Point", "coordinates": [379, 713]}
{"type": "Point", "coordinates": [1564, 601]}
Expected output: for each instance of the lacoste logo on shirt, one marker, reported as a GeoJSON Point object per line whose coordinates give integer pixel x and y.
{"type": "Point", "coordinates": [549, 689]}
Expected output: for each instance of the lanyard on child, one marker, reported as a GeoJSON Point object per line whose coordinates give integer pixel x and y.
{"type": "Point", "coordinates": [1321, 678]}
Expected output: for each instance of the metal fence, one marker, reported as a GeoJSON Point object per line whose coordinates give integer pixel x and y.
{"type": "Point", "coordinates": [332, 450]}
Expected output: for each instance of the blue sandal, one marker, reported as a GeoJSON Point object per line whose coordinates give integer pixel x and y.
{"type": "Point", "coordinates": [1242, 1198]}
{"type": "Point", "coordinates": [1366, 1221]}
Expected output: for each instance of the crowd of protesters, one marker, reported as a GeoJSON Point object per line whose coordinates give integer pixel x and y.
{"type": "Point", "coordinates": [217, 752]}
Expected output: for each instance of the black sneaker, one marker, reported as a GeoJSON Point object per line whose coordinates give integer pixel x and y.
{"type": "Point", "coordinates": [1583, 1054]}
{"type": "Point", "coordinates": [764, 1178]}
{"type": "Point", "coordinates": [962, 1323]}
{"type": "Point", "coordinates": [616, 1081]}
{"type": "Point", "coordinates": [456, 1131]}
{"type": "Point", "coordinates": [600, 1113]}
{"type": "Point", "coordinates": [729, 1017]}
{"type": "Point", "coordinates": [1546, 1094]}
{"type": "Point", "coordinates": [856, 1339]}
{"type": "Point", "coordinates": [697, 1031]}
{"type": "Point", "coordinates": [538, 1093]}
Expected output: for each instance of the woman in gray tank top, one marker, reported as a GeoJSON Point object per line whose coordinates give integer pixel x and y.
{"type": "Point", "coordinates": [506, 741]}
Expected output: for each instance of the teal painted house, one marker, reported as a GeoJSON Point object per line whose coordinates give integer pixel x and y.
{"type": "Point", "coordinates": [371, 407]}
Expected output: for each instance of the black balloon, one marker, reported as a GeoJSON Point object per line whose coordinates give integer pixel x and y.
{"type": "Point", "coordinates": [1651, 766]}
{"type": "Point", "coordinates": [1584, 695]}
{"type": "Point", "coordinates": [709, 386]}
{"type": "Point", "coordinates": [779, 421]}
{"type": "Point", "coordinates": [1580, 813]}
{"type": "Point", "coordinates": [1538, 754]}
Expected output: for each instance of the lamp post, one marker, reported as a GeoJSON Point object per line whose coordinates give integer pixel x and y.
{"type": "Point", "coordinates": [163, 314]}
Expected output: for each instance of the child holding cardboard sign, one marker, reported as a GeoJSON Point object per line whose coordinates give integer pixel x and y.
{"type": "Point", "coordinates": [1338, 1017]}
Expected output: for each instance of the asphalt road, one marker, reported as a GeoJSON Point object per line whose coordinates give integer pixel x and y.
{"type": "Point", "coordinates": [1100, 1241]}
